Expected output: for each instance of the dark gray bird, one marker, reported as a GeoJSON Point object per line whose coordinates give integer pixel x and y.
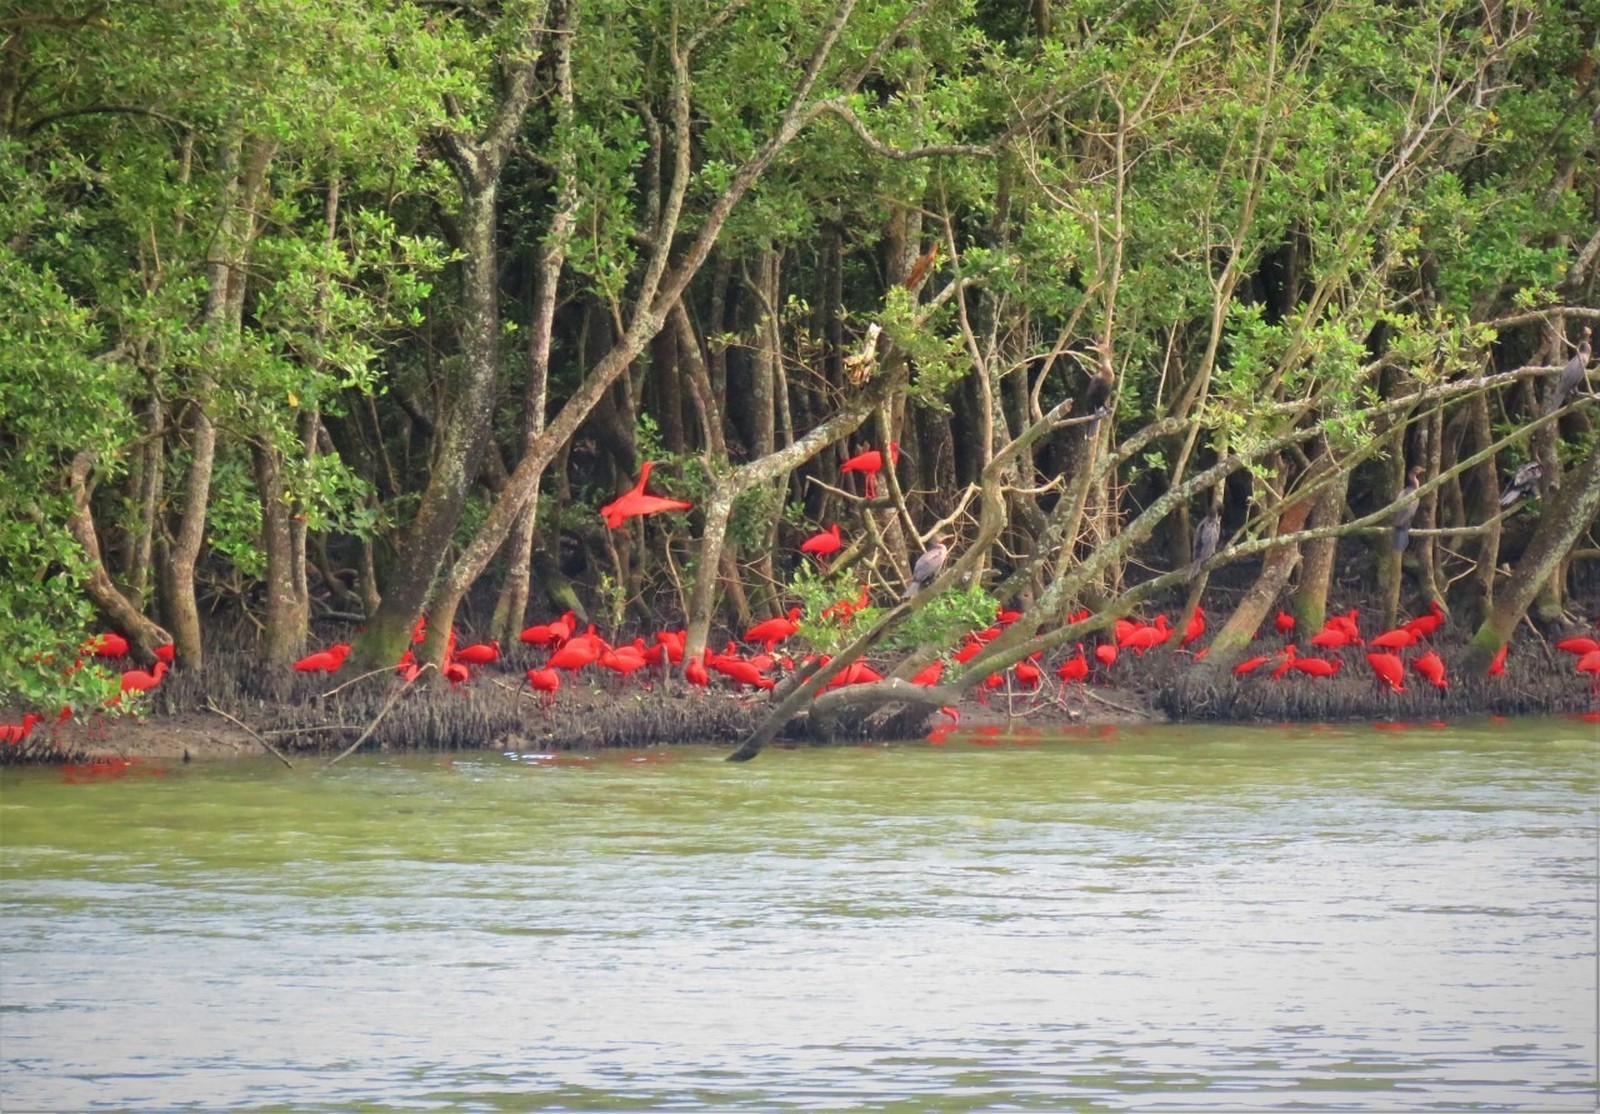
{"type": "Point", "coordinates": [1573, 373]}
{"type": "Point", "coordinates": [1206, 537]}
{"type": "Point", "coordinates": [1524, 483]}
{"type": "Point", "coordinates": [929, 564]}
{"type": "Point", "coordinates": [1098, 393]}
{"type": "Point", "coordinates": [1408, 509]}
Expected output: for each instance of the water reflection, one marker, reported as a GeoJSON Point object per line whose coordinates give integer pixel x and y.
{"type": "Point", "coordinates": [1226, 918]}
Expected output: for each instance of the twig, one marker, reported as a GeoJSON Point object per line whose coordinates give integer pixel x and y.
{"type": "Point", "coordinates": [1108, 702]}
{"type": "Point", "coordinates": [276, 753]}
{"type": "Point", "coordinates": [373, 726]}
{"type": "Point", "coordinates": [363, 677]}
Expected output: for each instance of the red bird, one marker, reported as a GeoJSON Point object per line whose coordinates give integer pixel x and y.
{"type": "Point", "coordinates": [574, 656]}
{"type": "Point", "coordinates": [825, 544]}
{"type": "Point", "coordinates": [1497, 667]}
{"type": "Point", "coordinates": [1106, 654]}
{"type": "Point", "coordinates": [1423, 626]}
{"type": "Point", "coordinates": [1431, 666]}
{"type": "Point", "coordinates": [929, 674]}
{"type": "Point", "coordinates": [856, 673]}
{"type": "Point", "coordinates": [1347, 623]}
{"type": "Point", "coordinates": [15, 733]}
{"type": "Point", "coordinates": [773, 631]}
{"type": "Point", "coordinates": [634, 502]}
{"type": "Point", "coordinates": [969, 651]}
{"type": "Point", "coordinates": [165, 653]}
{"type": "Point", "coordinates": [1390, 670]}
{"type": "Point", "coordinates": [672, 642]}
{"type": "Point", "coordinates": [1250, 665]}
{"type": "Point", "coordinates": [324, 661]}
{"type": "Point", "coordinates": [695, 672]}
{"type": "Point", "coordinates": [456, 673]}
{"type": "Point", "coordinates": [1317, 667]}
{"type": "Point", "coordinates": [1331, 638]}
{"type": "Point", "coordinates": [553, 633]}
{"type": "Point", "coordinates": [869, 464]}
{"type": "Point", "coordinates": [546, 681]}
{"type": "Point", "coordinates": [744, 673]}
{"type": "Point", "coordinates": [1590, 664]}
{"type": "Point", "coordinates": [137, 680]}
{"type": "Point", "coordinates": [1028, 674]}
{"type": "Point", "coordinates": [625, 660]}
{"type": "Point", "coordinates": [110, 645]}
{"type": "Point", "coordinates": [1284, 622]}
{"type": "Point", "coordinates": [1397, 639]}
{"type": "Point", "coordinates": [479, 653]}
{"type": "Point", "coordinates": [1289, 653]}
{"type": "Point", "coordinates": [1146, 638]}
{"type": "Point", "coordinates": [1195, 627]}
{"type": "Point", "coordinates": [1578, 646]}
{"type": "Point", "coordinates": [1074, 668]}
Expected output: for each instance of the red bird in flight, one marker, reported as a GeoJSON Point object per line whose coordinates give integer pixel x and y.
{"type": "Point", "coordinates": [634, 502]}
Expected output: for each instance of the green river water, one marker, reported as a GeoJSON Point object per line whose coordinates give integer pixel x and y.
{"type": "Point", "coordinates": [1140, 918]}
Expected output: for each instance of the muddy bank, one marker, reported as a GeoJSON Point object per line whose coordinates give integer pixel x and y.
{"type": "Point", "coordinates": [239, 712]}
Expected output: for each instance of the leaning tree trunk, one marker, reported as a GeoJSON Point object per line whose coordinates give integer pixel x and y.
{"type": "Point", "coordinates": [1320, 554]}
{"type": "Point", "coordinates": [1568, 515]}
{"type": "Point", "coordinates": [122, 611]}
{"type": "Point", "coordinates": [1251, 611]}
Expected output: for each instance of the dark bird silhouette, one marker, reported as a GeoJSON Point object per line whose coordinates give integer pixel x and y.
{"type": "Point", "coordinates": [1524, 483]}
{"type": "Point", "coordinates": [1408, 509]}
{"type": "Point", "coordinates": [1206, 537]}
{"type": "Point", "coordinates": [928, 565]}
{"type": "Point", "coordinates": [1100, 386]}
{"type": "Point", "coordinates": [1573, 373]}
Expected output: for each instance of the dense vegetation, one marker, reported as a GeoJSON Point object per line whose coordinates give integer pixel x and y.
{"type": "Point", "coordinates": [348, 311]}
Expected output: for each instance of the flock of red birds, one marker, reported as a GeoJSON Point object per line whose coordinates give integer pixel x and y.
{"type": "Point", "coordinates": [570, 652]}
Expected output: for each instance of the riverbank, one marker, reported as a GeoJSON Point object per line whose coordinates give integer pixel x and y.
{"type": "Point", "coordinates": [238, 712]}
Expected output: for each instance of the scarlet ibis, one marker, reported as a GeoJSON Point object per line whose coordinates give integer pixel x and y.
{"type": "Point", "coordinates": [1075, 668]}
{"type": "Point", "coordinates": [968, 651]}
{"type": "Point", "coordinates": [324, 661]}
{"type": "Point", "coordinates": [940, 734]}
{"type": "Point", "coordinates": [1578, 646]}
{"type": "Point", "coordinates": [165, 653]}
{"type": "Point", "coordinates": [624, 660]}
{"type": "Point", "coordinates": [1390, 670]}
{"type": "Point", "coordinates": [1573, 373]}
{"type": "Point", "coordinates": [1080, 615]}
{"type": "Point", "coordinates": [930, 673]}
{"type": "Point", "coordinates": [695, 672]}
{"type": "Point", "coordinates": [772, 631]}
{"type": "Point", "coordinates": [1250, 665]}
{"type": "Point", "coordinates": [824, 544]}
{"type": "Point", "coordinates": [1590, 664]}
{"type": "Point", "coordinates": [743, 673]}
{"type": "Point", "coordinates": [929, 564]}
{"type": "Point", "coordinates": [1005, 618]}
{"type": "Point", "coordinates": [1408, 508]}
{"type": "Point", "coordinates": [1423, 626]}
{"type": "Point", "coordinates": [1194, 628]}
{"type": "Point", "coordinates": [1289, 653]}
{"type": "Point", "coordinates": [1106, 654]}
{"type": "Point", "coordinates": [1028, 674]}
{"type": "Point", "coordinates": [856, 673]}
{"type": "Point", "coordinates": [1431, 666]}
{"type": "Point", "coordinates": [1148, 637]}
{"type": "Point", "coordinates": [137, 680]}
{"type": "Point", "coordinates": [1284, 622]}
{"type": "Point", "coordinates": [1397, 639]}
{"type": "Point", "coordinates": [987, 634]}
{"type": "Point", "coordinates": [479, 653]}
{"type": "Point", "coordinates": [553, 633]}
{"type": "Point", "coordinates": [574, 656]}
{"type": "Point", "coordinates": [672, 642]}
{"type": "Point", "coordinates": [1349, 622]}
{"type": "Point", "coordinates": [1206, 536]}
{"type": "Point", "coordinates": [1497, 667]}
{"type": "Point", "coordinates": [546, 681]}
{"type": "Point", "coordinates": [110, 645]}
{"type": "Point", "coordinates": [634, 502]}
{"type": "Point", "coordinates": [869, 464]}
{"type": "Point", "coordinates": [456, 672]}
{"type": "Point", "coordinates": [1317, 667]}
{"type": "Point", "coordinates": [15, 733]}
{"type": "Point", "coordinates": [1331, 638]}
{"type": "Point", "coordinates": [843, 609]}
{"type": "Point", "coordinates": [1524, 482]}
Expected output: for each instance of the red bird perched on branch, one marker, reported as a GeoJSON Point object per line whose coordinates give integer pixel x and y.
{"type": "Point", "coordinates": [634, 502]}
{"type": "Point", "coordinates": [869, 464]}
{"type": "Point", "coordinates": [825, 544]}
{"type": "Point", "coordinates": [930, 673]}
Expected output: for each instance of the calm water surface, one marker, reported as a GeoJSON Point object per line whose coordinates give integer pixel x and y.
{"type": "Point", "coordinates": [1143, 918]}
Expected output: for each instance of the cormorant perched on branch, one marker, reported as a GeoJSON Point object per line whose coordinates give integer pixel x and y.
{"type": "Point", "coordinates": [1408, 509]}
{"type": "Point", "coordinates": [1523, 484]}
{"type": "Point", "coordinates": [1206, 537]}
{"type": "Point", "coordinates": [929, 564]}
{"type": "Point", "coordinates": [1573, 373]}
{"type": "Point", "coordinates": [1100, 385]}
